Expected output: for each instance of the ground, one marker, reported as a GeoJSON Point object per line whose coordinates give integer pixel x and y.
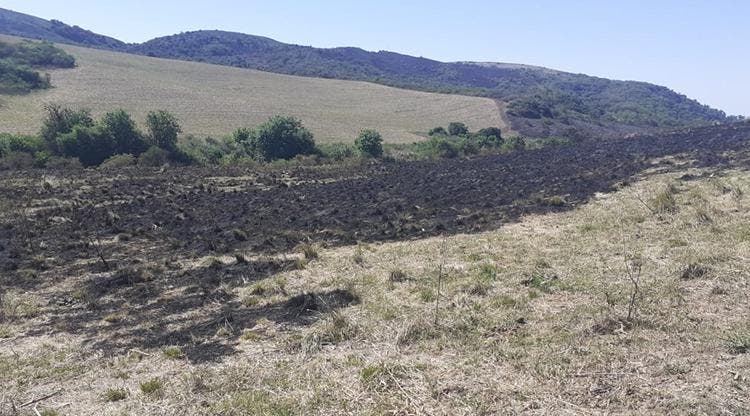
{"type": "Point", "coordinates": [614, 281]}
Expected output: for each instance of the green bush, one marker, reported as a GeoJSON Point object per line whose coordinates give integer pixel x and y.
{"type": "Point", "coordinates": [163, 129]}
{"type": "Point", "coordinates": [514, 144]}
{"type": "Point", "coordinates": [443, 148]}
{"type": "Point", "coordinates": [438, 131]}
{"type": "Point", "coordinates": [90, 145]}
{"type": "Point", "coordinates": [369, 143]}
{"type": "Point", "coordinates": [123, 132]}
{"type": "Point", "coordinates": [281, 138]}
{"type": "Point", "coordinates": [337, 151]}
{"type": "Point", "coordinates": [19, 143]}
{"type": "Point", "coordinates": [491, 132]}
{"type": "Point", "coordinates": [61, 120]}
{"type": "Point", "coordinates": [457, 129]}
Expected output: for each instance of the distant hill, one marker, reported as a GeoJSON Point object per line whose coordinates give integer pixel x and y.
{"type": "Point", "coordinates": [19, 24]}
{"type": "Point", "coordinates": [540, 101]}
{"type": "Point", "coordinates": [214, 100]}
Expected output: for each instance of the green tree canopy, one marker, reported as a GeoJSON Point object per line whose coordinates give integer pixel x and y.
{"type": "Point", "coordinates": [369, 143]}
{"type": "Point", "coordinates": [163, 128]}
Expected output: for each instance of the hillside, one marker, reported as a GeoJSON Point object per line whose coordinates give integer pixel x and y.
{"type": "Point", "coordinates": [214, 100]}
{"type": "Point", "coordinates": [542, 102]}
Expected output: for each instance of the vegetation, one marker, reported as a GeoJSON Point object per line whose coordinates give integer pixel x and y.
{"type": "Point", "coordinates": [280, 138]}
{"type": "Point", "coordinates": [19, 61]}
{"type": "Point", "coordinates": [369, 143]}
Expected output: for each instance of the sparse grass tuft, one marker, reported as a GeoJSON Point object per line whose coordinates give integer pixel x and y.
{"type": "Point", "coordinates": [695, 271]}
{"type": "Point", "coordinates": [115, 394]}
{"type": "Point", "coordinates": [152, 387]}
{"type": "Point", "coordinates": [382, 377]}
{"type": "Point", "coordinates": [252, 403]}
{"type": "Point", "coordinates": [738, 342]}
{"type": "Point", "coordinates": [664, 201]}
{"type": "Point", "coordinates": [397, 276]}
{"type": "Point", "coordinates": [310, 252]}
{"type": "Point", "coordinates": [174, 353]}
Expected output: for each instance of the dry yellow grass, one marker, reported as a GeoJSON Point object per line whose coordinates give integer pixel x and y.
{"type": "Point", "coordinates": [214, 100]}
{"type": "Point", "coordinates": [530, 320]}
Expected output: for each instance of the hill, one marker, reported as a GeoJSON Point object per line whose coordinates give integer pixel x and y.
{"type": "Point", "coordinates": [214, 100]}
{"type": "Point", "coordinates": [542, 102]}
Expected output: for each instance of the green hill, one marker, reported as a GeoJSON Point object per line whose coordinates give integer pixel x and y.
{"type": "Point", "coordinates": [214, 100]}
{"type": "Point", "coordinates": [541, 102]}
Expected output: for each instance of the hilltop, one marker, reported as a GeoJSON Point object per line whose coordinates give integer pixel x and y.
{"type": "Point", "coordinates": [540, 101]}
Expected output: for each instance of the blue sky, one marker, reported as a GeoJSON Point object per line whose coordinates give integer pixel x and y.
{"type": "Point", "coordinates": [699, 48]}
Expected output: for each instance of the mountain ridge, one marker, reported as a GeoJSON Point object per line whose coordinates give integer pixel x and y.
{"type": "Point", "coordinates": [540, 101]}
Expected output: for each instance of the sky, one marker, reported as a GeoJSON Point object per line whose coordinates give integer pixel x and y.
{"type": "Point", "coordinates": [698, 48]}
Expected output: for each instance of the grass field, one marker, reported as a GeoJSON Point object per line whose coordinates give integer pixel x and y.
{"type": "Point", "coordinates": [214, 100]}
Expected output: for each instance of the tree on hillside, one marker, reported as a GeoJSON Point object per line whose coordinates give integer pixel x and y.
{"type": "Point", "coordinates": [491, 132]}
{"type": "Point", "coordinates": [457, 129]}
{"type": "Point", "coordinates": [163, 128]}
{"type": "Point", "coordinates": [87, 143]}
{"type": "Point", "coordinates": [61, 120]}
{"type": "Point", "coordinates": [123, 132]}
{"type": "Point", "coordinates": [281, 138]}
{"type": "Point", "coordinates": [369, 143]}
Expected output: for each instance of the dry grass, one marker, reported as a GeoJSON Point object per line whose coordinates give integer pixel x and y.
{"type": "Point", "coordinates": [531, 318]}
{"type": "Point", "coordinates": [214, 100]}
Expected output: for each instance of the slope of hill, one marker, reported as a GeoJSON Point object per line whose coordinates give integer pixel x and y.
{"type": "Point", "coordinates": [542, 102]}
{"type": "Point", "coordinates": [214, 100]}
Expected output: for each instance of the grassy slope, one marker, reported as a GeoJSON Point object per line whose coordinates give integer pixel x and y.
{"type": "Point", "coordinates": [214, 100]}
{"type": "Point", "coordinates": [524, 326]}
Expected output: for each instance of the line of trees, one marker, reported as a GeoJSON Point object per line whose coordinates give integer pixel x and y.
{"type": "Point", "coordinates": [71, 137]}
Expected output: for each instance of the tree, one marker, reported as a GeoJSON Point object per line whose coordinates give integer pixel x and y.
{"type": "Point", "coordinates": [89, 144]}
{"type": "Point", "coordinates": [369, 143]}
{"type": "Point", "coordinates": [281, 138]}
{"type": "Point", "coordinates": [491, 132]}
{"type": "Point", "coordinates": [438, 131]}
{"type": "Point", "coordinates": [61, 120]}
{"type": "Point", "coordinates": [123, 132]}
{"type": "Point", "coordinates": [163, 128]}
{"type": "Point", "coordinates": [457, 129]}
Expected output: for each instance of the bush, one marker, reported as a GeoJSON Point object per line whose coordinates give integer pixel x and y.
{"type": "Point", "coordinates": [123, 133]}
{"type": "Point", "coordinates": [514, 144]}
{"type": "Point", "coordinates": [491, 132]}
{"type": "Point", "coordinates": [281, 138]}
{"type": "Point", "coordinates": [457, 129]}
{"type": "Point", "coordinates": [153, 157]}
{"type": "Point", "coordinates": [16, 161]}
{"type": "Point", "coordinates": [443, 148]}
{"type": "Point", "coordinates": [337, 151]}
{"type": "Point", "coordinates": [18, 143]}
{"type": "Point", "coordinates": [438, 131]}
{"type": "Point", "coordinates": [163, 129]}
{"type": "Point", "coordinates": [61, 120]}
{"type": "Point", "coordinates": [90, 145]}
{"type": "Point", "coordinates": [118, 161]}
{"type": "Point", "coordinates": [369, 143]}
{"type": "Point", "coordinates": [63, 163]}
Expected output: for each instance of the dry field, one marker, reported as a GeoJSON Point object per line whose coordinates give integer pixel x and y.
{"type": "Point", "coordinates": [215, 100]}
{"type": "Point", "coordinates": [632, 300]}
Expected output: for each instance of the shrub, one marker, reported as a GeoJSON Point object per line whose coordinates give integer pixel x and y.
{"type": "Point", "coordinates": [438, 131]}
{"type": "Point", "coordinates": [60, 120]}
{"type": "Point", "coordinates": [153, 157]}
{"type": "Point", "coordinates": [491, 132]}
{"type": "Point", "coordinates": [457, 129]}
{"type": "Point", "coordinates": [281, 138]}
{"type": "Point", "coordinates": [123, 133]}
{"type": "Point", "coordinates": [336, 151]}
{"type": "Point", "coordinates": [115, 395]}
{"type": "Point", "coordinates": [152, 387]}
{"type": "Point", "coordinates": [118, 161]}
{"type": "Point", "coordinates": [514, 144]}
{"type": "Point", "coordinates": [16, 161]}
{"type": "Point", "coordinates": [19, 143]}
{"type": "Point", "coordinates": [89, 144]}
{"type": "Point", "coordinates": [442, 147]}
{"type": "Point", "coordinates": [63, 163]}
{"type": "Point", "coordinates": [163, 129]}
{"type": "Point", "coordinates": [369, 143]}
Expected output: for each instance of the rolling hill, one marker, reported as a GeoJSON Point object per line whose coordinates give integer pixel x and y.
{"type": "Point", "coordinates": [540, 101]}
{"type": "Point", "coordinates": [214, 100]}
